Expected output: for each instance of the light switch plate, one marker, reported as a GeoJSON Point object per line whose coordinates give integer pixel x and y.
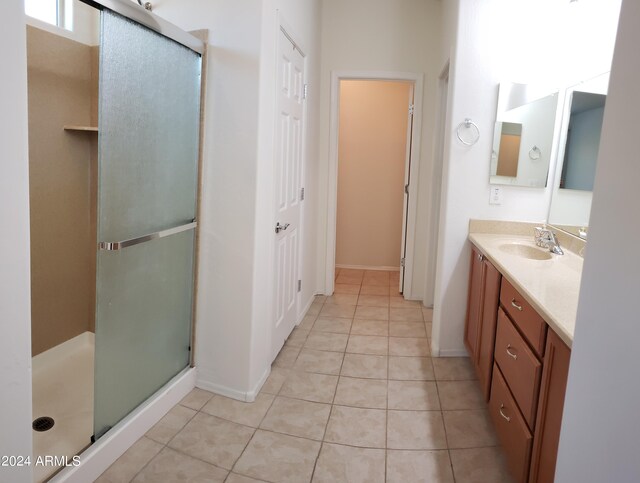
{"type": "Point", "coordinates": [496, 195]}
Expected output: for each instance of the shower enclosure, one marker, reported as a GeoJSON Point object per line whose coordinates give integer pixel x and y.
{"type": "Point", "coordinates": [141, 148]}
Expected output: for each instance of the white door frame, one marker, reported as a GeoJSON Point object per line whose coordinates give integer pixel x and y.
{"type": "Point", "coordinates": [332, 198]}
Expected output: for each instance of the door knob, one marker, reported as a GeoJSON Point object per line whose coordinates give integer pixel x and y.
{"type": "Point", "coordinates": [280, 227]}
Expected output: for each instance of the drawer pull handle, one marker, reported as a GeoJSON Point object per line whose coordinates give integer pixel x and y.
{"type": "Point", "coordinates": [515, 356]}
{"type": "Point", "coordinates": [503, 414]}
{"type": "Point", "coordinates": [514, 304]}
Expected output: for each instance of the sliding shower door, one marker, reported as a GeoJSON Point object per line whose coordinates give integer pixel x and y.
{"type": "Point", "coordinates": [149, 106]}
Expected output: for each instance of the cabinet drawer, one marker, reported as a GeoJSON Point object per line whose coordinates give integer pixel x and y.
{"type": "Point", "coordinates": [520, 367]}
{"type": "Point", "coordinates": [511, 428]}
{"type": "Point", "coordinates": [524, 316]}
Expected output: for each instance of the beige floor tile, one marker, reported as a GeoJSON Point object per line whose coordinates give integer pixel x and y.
{"type": "Point", "coordinates": [307, 322]}
{"type": "Point", "coordinates": [196, 398]}
{"type": "Point", "coordinates": [405, 315]}
{"type": "Point", "coordinates": [212, 439]}
{"type": "Point", "coordinates": [235, 478]}
{"type": "Point", "coordinates": [394, 292]}
{"type": "Point", "coordinates": [346, 464]}
{"type": "Point", "coordinates": [461, 395]}
{"type": "Point", "coordinates": [374, 300]}
{"type": "Point", "coordinates": [315, 308]}
{"type": "Point", "coordinates": [320, 298]}
{"type": "Point", "coordinates": [310, 387]}
{"type": "Point", "coordinates": [453, 369]}
{"type": "Point", "coordinates": [411, 368]}
{"type": "Point", "coordinates": [402, 303]}
{"type": "Point", "coordinates": [170, 424]}
{"type": "Point", "coordinates": [326, 341]}
{"type": "Point", "coordinates": [428, 326]}
{"type": "Point", "coordinates": [356, 272]}
{"type": "Point", "coordinates": [479, 465]}
{"type": "Point", "coordinates": [418, 467]}
{"type": "Point", "coordinates": [469, 429]}
{"type": "Point", "coordinates": [374, 290]}
{"type": "Point", "coordinates": [378, 276]}
{"type": "Point", "coordinates": [413, 395]}
{"type": "Point", "coordinates": [332, 310]}
{"type": "Point", "coordinates": [370, 327]}
{"type": "Point", "coordinates": [368, 344]}
{"type": "Point", "coordinates": [172, 467]}
{"type": "Point", "coordinates": [286, 357]}
{"type": "Point", "coordinates": [297, 338]}
{"type": "Point", "coordinates": [348, 279]}
{"type": "Point", "coordinates": [364, 366]}
{"type": "Point", "coordinates": [131, 462]}
{"type": "Point", "coordinates": [362, 393]}
{"type": "Point", "coordinates": [249, 414]}
{"type": "Point", "coordinates": [427, 314]}
{"type": "Point", "coordinates": [332, 324]}
{"type": "Point", "coordinates": [321, 362]}
{"type": "Point", "coordinates": [346, 288]}
{"type": "Point", "coordinates": [342, 299]}
{"type": "Point", "coordinates": [357, 427]}
{"type": "Point", "coordinates": [372, 313]}
{"type": "Point", "coordinates": [278, 457]}
{"type": "Point", "coordinates": [401, 346]}
{"type": "Point", "coordinates": [276, 379]}
{"type": "Point", "coordinates": [297, 418]}
{"type": "Point", "coordinates": [407, 329]}
{"type": "Point", "coordinates": [415, 430]}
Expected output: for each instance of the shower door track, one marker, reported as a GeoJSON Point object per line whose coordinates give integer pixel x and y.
{"type": "Point", "coordinates": [139, 14]}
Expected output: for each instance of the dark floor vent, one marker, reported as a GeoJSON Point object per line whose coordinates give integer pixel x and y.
{"type": "Point", "coordinates": [45, 423]}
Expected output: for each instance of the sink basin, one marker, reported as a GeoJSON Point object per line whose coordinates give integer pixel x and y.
{"type": "Point", "coordinates": [525, 251]}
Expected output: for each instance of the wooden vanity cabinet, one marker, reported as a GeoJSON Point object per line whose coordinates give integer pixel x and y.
{"type": "Point", "coordinates": [550, 406]}
{"type": "Point", "coordinates": [482, 312]}
{"type": "Point", "coordinates": [522, 367]}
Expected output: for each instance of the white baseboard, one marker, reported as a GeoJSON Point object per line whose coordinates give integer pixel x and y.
{"type": "Point", "coordinates": [62, 351]}
{"type": "Point", "coordinates": [99, 456]}
{"type": "Point", "coordinates": [451, 353]}
{"type": "Point", "coordinates": [368, 267]}
{"type": "Point", "coordinates": [303, 313]}
{"type": "Point", "coordinates": [245, 396]}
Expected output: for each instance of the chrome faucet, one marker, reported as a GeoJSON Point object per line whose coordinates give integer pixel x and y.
{"type": "Point", "coordinates": [546, 238]}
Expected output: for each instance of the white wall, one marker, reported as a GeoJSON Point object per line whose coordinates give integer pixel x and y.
{"type": "Point", "coordinates": [600, 427]}
{"type": "Point", "coordinates": [227, 231]}
{"type": "Point", "coordinates": [378, 35]}
{"type": "Point", "coordinates": [15, 306]}
{"type": "Point", "coordinates": [530, 42]}
{"type": "Point", "coordinates": [236, 225]}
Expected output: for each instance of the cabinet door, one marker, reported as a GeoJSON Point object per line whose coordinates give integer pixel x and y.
{"type": "Point", "coordinates": [474, 305]}
{"type": "Point", "coordinates": [487, 331]}
{"type": "Point", "coordinates": [550, 406]}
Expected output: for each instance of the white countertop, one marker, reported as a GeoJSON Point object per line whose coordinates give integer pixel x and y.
{"type": "Point", "coordinates": [551, 286]}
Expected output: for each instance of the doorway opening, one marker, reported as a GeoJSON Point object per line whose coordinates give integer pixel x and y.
{"type": "Point", "coordinates": [373, 160]}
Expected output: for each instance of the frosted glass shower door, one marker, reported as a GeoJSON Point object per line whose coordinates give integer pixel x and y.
{"type": "Point", "coordinates": [147, 188]}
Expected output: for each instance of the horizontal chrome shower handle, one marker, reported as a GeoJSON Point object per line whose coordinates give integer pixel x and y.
{"type": "Point", "coordinates": [119, 245]}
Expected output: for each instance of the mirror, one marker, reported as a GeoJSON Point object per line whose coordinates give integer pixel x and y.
{"type": "Point", "coordinates": [577, 155]}
{"type": "Point", "coordinates": [523, 136]}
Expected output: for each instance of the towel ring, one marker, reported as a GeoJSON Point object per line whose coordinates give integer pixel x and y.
{"type": "Point", "coordinates": [535, 153]}
{"type": "Point", "coordinates": [468, 123]}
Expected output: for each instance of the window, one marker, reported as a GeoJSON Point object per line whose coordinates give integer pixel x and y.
{"type": "Point", "coordinates": [54, 12]}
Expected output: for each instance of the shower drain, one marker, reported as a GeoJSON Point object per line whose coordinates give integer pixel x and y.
{"type": "Point", "coordinates": [45, 423]}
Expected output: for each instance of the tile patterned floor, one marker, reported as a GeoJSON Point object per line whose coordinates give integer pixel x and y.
{"type": "Point", "coordinates": [353, 396]}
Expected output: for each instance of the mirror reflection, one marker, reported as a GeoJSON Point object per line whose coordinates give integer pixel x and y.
{"type": "Point", "coordinates": [577, 155]}
{"type": "Point", "coordinates": [523, 137]}
{"type": "Point", "coordinates": [583, 141]}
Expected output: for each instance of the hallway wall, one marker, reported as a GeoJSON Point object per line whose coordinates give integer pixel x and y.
{"type": "Point", "coordinates": [372, 143]}
{"type": "Point", "coordinates": [378, 36]}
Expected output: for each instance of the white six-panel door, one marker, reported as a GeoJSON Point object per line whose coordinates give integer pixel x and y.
{"type": "Point", "coordinates": [288, 186]}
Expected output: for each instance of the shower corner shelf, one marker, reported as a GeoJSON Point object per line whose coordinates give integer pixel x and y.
{"type": "Point", "coordinates": [70, 127]}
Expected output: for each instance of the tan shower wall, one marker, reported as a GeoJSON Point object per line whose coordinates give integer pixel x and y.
{"type": "Point", "coordinates": [371, 165]}
{"type": "Point", "coordinates": [62, 248]}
